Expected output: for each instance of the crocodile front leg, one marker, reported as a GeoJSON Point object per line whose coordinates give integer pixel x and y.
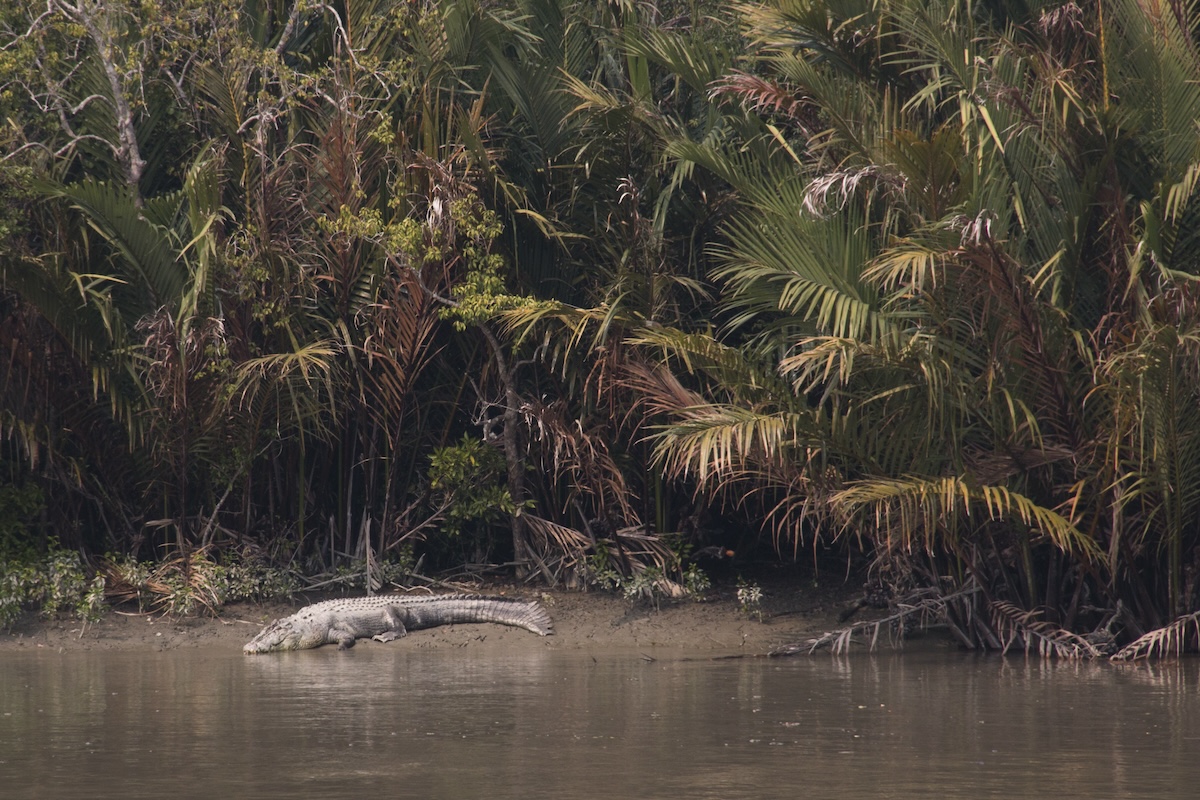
{"type": "Point", "coordinates": [395, 623]}
{"type": "Point", "coordinates": [344, 638]}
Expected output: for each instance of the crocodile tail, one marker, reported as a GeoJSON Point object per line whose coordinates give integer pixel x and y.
{"type": "Point", "coordinates": [537, 620]}
{"type": "Point", "coordinates": [506, 611]}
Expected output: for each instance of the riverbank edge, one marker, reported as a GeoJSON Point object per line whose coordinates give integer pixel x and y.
{"type": "Point", "coordinates": [717, 623]}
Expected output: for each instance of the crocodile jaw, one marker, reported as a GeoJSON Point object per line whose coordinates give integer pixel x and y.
{"type": "Point", "coordinates": [276, 637]}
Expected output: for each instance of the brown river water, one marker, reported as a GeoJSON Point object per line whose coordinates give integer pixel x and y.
{"type": "Point", "coordinates": [389, 722]}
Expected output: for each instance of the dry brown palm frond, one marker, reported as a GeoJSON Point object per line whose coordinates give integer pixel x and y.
{"type": "Point", "coordinates": [556, 547]}
{"type": "Point", "coordinates": [580, 459]}
{"type": "Point", "coordinates": [177, 349]}
{"type": "Point", "coordinates": [657, 390]}
{"type": "Point", "coordinates": [175, 586]}
{"type": "Point", "coordinates": [400, 327]}
{"type": "Point", "coordinates": [645, 549]}
{"type": "Point", "coordinates": [1171, 639]}
{"type": "Point", "coordinates": [756, 93]}
{"type": "Point", "coordinates": [833, 191]}
{"type": "Point", "coordinates": [651, 563]}
{"type": "Point", "coordinates": [998, 466]}
{"type": "Point", "coordinates": [548, 536]}
{"type": "Point", "coordinates": [1019, 628]}
{"type": "Point", "coordinates": [646, 564]}
{"type": "Point", "coordinates": [124, 581]}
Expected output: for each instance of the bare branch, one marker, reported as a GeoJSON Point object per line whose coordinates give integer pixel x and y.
{"type": "Point", "coordinates": [288, 29]}
{"type": "Point", "coordinates": [127, 150]}
{"type": "Point", "coordinates": [33, 26]}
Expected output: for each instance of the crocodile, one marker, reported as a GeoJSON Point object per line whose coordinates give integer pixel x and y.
{"type": "Point", "coordinates": [385, 618]}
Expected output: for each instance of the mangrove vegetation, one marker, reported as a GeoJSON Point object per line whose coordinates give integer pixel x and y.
{"type": "Point", "coordinates": [581, 289]}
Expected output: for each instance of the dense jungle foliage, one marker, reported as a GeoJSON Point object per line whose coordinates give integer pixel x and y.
{"type": "Point", "coordinates": [585, 287]}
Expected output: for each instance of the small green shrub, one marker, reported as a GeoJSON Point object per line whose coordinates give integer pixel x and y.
{"type": "Point", "coordinates": [749, 597]}
{"type": "Point", "coordinates": [64, 582]}
{"type": "Point", "coordinates": [393, 569]}
{"type": "Point", "coordinates": [55, 583]}
{"type": "Point", "coordinates": [645, 585]}
{"type": "Point", "coordinates": [649, 583]}
{"type": "Point", "coordinates": [14, 592]}
{"type": "Point", "coordinates": [253, 578]}
{"type": "Point", "coordinates": [696, 581]}
{"type": "Point", "coordinates": [599, 571]}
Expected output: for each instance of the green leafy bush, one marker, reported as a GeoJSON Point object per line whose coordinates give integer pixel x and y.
{"type": "Point", "coordinates": [466, 477]}
{"type": "Point", "coordinates": [54, 583]}
{"type": "Point", "coordinates": [392, 569]}
{"type": "Point", "coordinates": [181, 586]}
{"type": "Point", "coordinates": [253, 578]}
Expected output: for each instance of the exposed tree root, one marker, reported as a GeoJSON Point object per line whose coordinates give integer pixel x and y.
{"type": "Point", "coordinates": [919, 612]}
{"type": "Point", "coordinates": [1008, 628]}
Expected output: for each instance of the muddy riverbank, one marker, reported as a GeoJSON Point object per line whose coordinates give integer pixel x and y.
{"type": "Point", "coordinates": [787, 612]}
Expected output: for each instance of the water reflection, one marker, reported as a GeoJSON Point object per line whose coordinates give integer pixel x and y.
{"type": "Point", "coordinates": [403, 722]}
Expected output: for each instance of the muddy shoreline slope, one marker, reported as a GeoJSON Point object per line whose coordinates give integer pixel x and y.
{"type": "Point", "coordinates": [600, 620]}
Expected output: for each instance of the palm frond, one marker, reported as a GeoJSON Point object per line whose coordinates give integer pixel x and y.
{"type": "Point", "coordinates": [1024, 629]}
{"type": "Point", "coordinates": [703, 354]}
{"type": "Point", "coordinates": [918, 612]}
{"type": "Point", "coordinates": [149, 258]}
{"type": "Point", "coordinates": [298, 389]}
{"type": "Point", "coordinates": [918, 510]}
{"type": "Point", "coordinates": [804, 273]}
{"type": "Point", "coordinates": [1168, 640]}
{"type": "Point", "coordinates": [723, 443]}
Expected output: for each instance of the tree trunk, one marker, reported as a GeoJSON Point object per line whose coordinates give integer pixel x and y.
{"type": "Point", "coordinates": [127, 151]}
{"type": "Point", "coordinates": [514, 458]}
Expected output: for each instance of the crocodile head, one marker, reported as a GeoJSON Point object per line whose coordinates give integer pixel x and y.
{"type": "Point", "coordinates": [279, 635]}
